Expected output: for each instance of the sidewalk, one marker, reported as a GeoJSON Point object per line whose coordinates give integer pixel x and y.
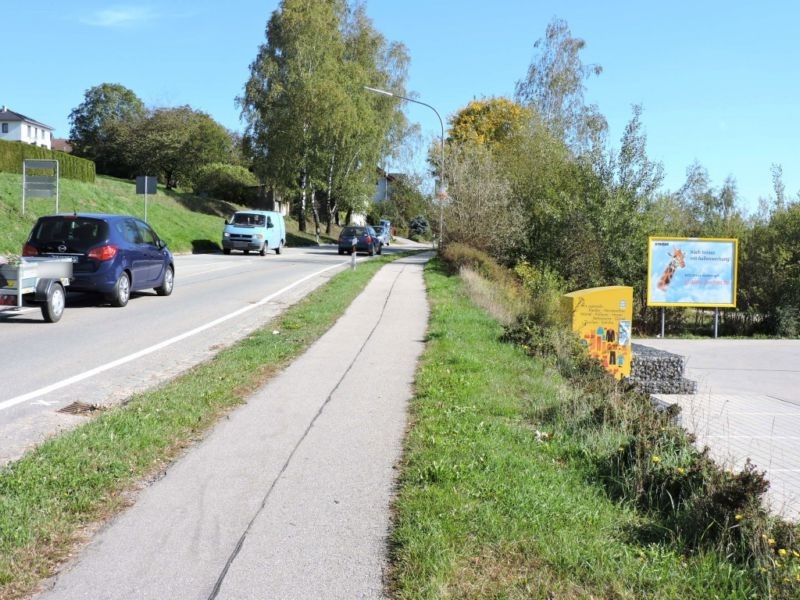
{"type": "Point", "coordinates": [289, 497]}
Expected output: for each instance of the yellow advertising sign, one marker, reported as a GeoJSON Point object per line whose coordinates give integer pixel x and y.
{"type": "Point", "coordinates": [602, 317]}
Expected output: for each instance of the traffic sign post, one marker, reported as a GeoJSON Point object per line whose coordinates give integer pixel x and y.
{"type": "Point", "coordinates": [146, 184]}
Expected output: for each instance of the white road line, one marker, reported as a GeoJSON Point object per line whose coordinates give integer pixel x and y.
{"type": "Point", "coordinates": [131, 357]}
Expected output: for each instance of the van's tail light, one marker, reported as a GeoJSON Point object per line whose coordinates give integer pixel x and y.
{"type": "Point", "coordinates": [29, 250]}
{"type": "Point", "coordinates": [103, 252]}
{"type": "Point", "coordinates": [369, 239]}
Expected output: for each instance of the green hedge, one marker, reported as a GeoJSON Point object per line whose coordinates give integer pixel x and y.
{"type": "Point", "coordinates": [13, 153]}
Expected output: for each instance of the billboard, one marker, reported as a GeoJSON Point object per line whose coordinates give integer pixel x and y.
{"type": "Point", "coordinates": [692, 271]}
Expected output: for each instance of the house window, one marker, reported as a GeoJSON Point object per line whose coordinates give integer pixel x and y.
{"type": "Point", "coordinates": [5, 127]}
{"type": "Point", "coordinates": [29, 131]}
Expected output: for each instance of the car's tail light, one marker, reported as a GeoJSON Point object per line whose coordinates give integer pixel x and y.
{"type": "Point", "coordinates": [103, 252]}
{"type": "Point", "coordinates": [369, 239]}
{"type": "Point", "coordinates": [29, 250]}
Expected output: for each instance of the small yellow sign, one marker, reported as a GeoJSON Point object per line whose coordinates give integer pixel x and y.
{"type": "Point", "coordinates": [602, 317]}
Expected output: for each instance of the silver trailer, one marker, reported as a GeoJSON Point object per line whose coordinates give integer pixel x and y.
{"type": "Point", "coordinates": [35, 281]}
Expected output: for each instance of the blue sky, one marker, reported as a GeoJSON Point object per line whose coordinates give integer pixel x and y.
{"type": "Point", "coordinates": [718, 81]}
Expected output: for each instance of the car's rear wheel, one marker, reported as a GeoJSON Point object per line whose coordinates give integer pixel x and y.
{"type": "Point", "coordinates": [122, 291]}
{"type": "Point", "coordinates": [341, 251]}
{"type": "Point", "coordinates": [279, 248]}
{"type": "Point", "coordinates": [53, 307]}
{"type": "Point", "coordinates": [263, 251]}
{"type": "Point", "coordinates": [246, 251]}
{"type": "Point", "coordinates": [226, 250]}
{"type": "Point", "coordinates": [165, 289]}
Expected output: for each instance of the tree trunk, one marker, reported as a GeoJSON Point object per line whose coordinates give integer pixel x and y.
{"type": "Point", "coordinates": [301, 210]}
{"type": "Point", "coordinates": [315, 213]}
{"type": "Point", "coordinates": [330, 204]}
{"type": "Point", "coordinates": [348, 216]}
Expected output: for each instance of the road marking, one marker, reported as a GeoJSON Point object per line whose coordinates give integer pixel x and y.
{"type": "Point", "coordinates": [161, 345]}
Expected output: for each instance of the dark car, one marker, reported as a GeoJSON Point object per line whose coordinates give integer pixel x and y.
{"type": "Point", "coordinates": [361, 237]}
{"type": "Point", "coordinates": [113, 255]}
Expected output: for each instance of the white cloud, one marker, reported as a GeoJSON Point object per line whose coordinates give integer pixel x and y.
{"type": "Point", "coordinates": [119, 16]}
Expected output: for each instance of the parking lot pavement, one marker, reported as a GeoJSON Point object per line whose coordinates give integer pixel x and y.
{"type": "Point", "coordinates": [747, 406]}
{"type": "Point", "coordinates": [289, 497]}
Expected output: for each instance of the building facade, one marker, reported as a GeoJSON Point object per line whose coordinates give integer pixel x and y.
{"type": "Point", "coordinates": [15, 127]}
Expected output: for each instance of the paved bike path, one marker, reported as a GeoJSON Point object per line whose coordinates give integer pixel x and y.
{"type": "Point", "coordinates": [289, 496]}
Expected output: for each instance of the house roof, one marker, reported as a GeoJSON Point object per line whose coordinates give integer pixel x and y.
{"type": "Point", "coordinates": [61, 144]}
{"type": "Point", "coordinates": [10, 115]}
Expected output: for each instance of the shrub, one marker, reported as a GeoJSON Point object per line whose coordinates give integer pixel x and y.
{"type": "Point", "coordinates": [419, 229]}
{"type": "Point", "coordinates": [71, 167]}
{"type": "Point", "coordinates": [224, 181]}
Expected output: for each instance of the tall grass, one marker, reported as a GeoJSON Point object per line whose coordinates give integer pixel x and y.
{"type": "Point", "coordinates": [498, 499]}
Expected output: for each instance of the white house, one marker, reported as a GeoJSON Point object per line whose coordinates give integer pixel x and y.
{"type": "Point", "coordinates": [15, 127]}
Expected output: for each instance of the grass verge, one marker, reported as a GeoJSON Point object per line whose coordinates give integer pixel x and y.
{"type": "Point", "coordinates": [188, 223]}
{"type": "Point", "coordinates": [50, 498]}
{"type": "Point", "coordinates": [493, 504]}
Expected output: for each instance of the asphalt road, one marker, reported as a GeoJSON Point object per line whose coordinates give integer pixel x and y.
{"type": "Point", "coordinates": [102, 355]}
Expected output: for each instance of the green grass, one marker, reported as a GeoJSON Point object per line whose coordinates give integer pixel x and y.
{"type": "Point", "coordinates": [50, 496]}
{"type": "Point", "coordinates": [489, 508]}
{"type": "Point", "coordinates": [187, 222]}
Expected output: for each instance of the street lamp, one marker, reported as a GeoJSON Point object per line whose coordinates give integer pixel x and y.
{"type": "Point", "coordinates": [441, 170]}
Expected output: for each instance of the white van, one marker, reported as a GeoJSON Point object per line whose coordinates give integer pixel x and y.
{"type": "Point", "coordinates": [256, 230]}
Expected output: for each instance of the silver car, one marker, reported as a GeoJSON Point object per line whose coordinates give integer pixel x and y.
{"type": "Point", "coordinates": [382, 233]}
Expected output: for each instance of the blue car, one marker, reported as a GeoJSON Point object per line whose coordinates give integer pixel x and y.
{"type": "Point", "coordinates": [113, 255]}
{"type": "Point", "coordinates": [359, 238]}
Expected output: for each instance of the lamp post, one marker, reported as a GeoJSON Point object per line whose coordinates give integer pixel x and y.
{"type": "Point", "coordinates": [441, 170]}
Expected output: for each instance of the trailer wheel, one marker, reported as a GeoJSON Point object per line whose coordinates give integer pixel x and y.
{"type": "Point", "coordinates": [53, 307]}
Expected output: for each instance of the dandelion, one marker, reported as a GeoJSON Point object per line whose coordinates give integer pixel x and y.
{"type": "Point", "coordinates": [796, 553]}
{"type": "Point", "coordinates": [681, 471]}
{"type": "Point", "coordinates": [778, 564]}
{"type": "Point", "coordinates": [656, 459]}
{"type": "Point", "coordinates": [782, 552]}
{"type": "Point", "coordinates": [739, 517]}
{"type": "Point", "coordinates": [771, 541]}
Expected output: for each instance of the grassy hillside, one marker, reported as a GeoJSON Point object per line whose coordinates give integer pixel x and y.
{"type": "Point", "coordinates": [187, 222]}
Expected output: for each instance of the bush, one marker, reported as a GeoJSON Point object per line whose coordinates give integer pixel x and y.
{"type": "Point", "coordinates": [419, 229]}
{"type": "Point", "coordinates": [13, 153]}
{"type": "Point", "coordinates": [225, 182]}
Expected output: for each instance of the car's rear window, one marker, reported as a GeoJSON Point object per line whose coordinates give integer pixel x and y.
{"type": "Point", "coordinates": [351, 231]}
{"type": "Point", "coordinates": [77, 233]}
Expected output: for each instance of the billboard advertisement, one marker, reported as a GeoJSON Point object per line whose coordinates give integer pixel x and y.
{"type": "Point", "coordinates": [692, 272]}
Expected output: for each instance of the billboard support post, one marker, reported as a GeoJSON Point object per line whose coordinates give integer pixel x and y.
{"type": "Point", "coordinates": [716, 322]}
{"type": "Point", "coordinates": [663, 312]}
